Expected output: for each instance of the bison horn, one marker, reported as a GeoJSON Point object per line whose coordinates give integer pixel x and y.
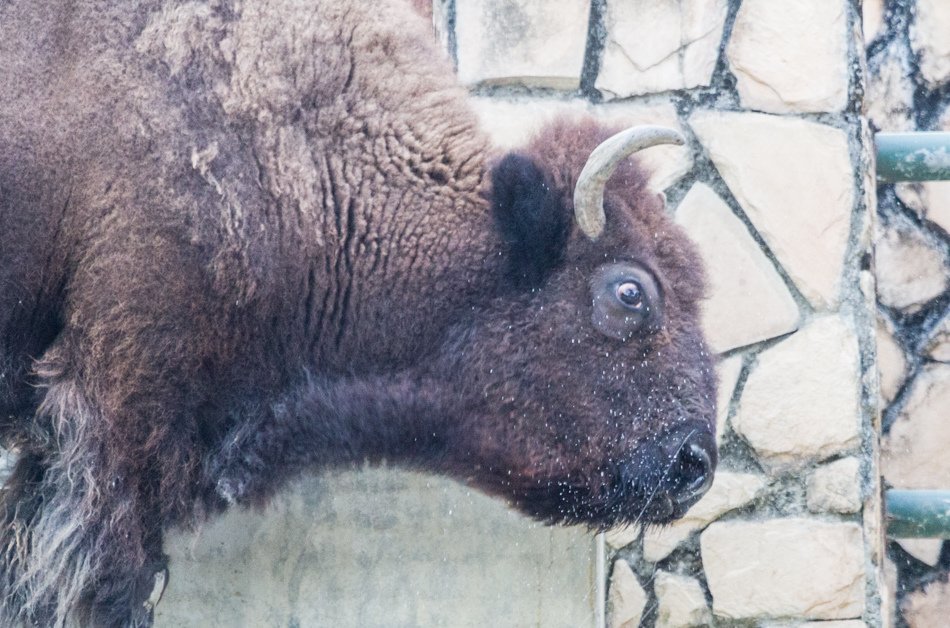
{"type": "Point", "coordinates": [603, 161]}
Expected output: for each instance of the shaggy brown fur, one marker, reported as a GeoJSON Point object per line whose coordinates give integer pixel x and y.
{"type": "Point", "coordinates": [243, 239]}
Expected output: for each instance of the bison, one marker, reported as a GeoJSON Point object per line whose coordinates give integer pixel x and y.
{"type": "Point", "coordinates": [244, 240]}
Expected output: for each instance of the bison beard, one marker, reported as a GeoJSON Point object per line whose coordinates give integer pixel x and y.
{"type": "Point", "coordinates": [240, 241]}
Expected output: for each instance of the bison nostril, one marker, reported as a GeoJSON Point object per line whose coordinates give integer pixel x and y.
{"type": "Point", "coordinates": [692, 471]}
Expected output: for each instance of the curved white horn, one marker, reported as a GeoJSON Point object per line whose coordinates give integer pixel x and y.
{"type": "Point", "coordinates": [603, 161]}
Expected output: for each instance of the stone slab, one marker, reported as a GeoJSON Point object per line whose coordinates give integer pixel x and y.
{"type": "Point", "coordinates": [792, 567]}
{"type": "Point", "coordinates": [627, 599]}
{"type": "Point", "coordinates": [747, 300]}
{"type": "Point", "coordinates": [800, 198]}
{"type": "Point", "coordinates": [681, 602]}
{"type": "Point", "coordinates": [835, 487]}
{"type": "Point", "coordinates": [379, 548]}
{"type": "Point", "coordinates": [928, 38]}
{"type": "Point", "coordinates": [774, 71]}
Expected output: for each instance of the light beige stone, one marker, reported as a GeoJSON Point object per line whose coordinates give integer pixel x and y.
{"type": "Point", "coordinates": [930, 199]}
{"type": "Point", "coordinates": [379, 548]}
{"type": "Point", "coordinates": [841, 623]}
{"type": "Point", "coordinates": [928, 607]}
{"type": "Point", "coordinates": [784, 568]}
{"type": "Point", "coordinates": [835, 487]}
{"type": "Point", "coordinates": [681, 602]}
{"type": "Point", "coordinates": [938, 347]}
{"type": "Point", "coordinates": [793, 179]}
{"type": "Point", "coordinates": [527, 42]}
{"type": "Point", "coordinates": [910, 270]}
{"type": "Point", "coordinates": [728, 372]}
{"type": "Point", "coordinates": [775, 70]}
{"type": "Point", "coordinates": [889, 103]}
{"type": "Point", "coordinates": [801, 401]}
{"type": "Point", "coordinates": [914, 451]}
{"type": "Point", "coordinates": [928, 37]}
{"type": "Point", "coordinates": [513, 122]}
{"type": "Point", "coordinates": [925, 550]}
{"type": "Point", "coordinates": [729, 491]}
{"type": "Point", "coordinates": [626, 599]}
{"type": "Point", "coordinates": [891, 362]}
{"type": "Point", "coordinates": [889, 594]}
{"type": "Point", "coordinates": [872, 18]}
{"type": "Point", "coordinates": [748, 301]}
{"type": "Point", "coordinates": [660, 45]}
{"type": "Point", "coordinates": [623, 536]}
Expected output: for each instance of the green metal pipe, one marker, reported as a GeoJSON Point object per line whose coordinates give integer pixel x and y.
{"type": "Point", "coordinates": [917, 514]}
{"type": "Point", "coordinates": [913, 156]}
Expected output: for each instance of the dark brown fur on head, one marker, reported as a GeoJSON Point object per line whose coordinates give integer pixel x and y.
{"type": "Point", "coordinates": [232, 251]}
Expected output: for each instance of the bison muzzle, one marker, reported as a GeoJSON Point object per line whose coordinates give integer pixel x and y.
{"type": "Point", "coordinates": [240, 241]}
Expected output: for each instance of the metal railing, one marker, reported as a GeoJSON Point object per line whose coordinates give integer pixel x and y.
{"type": "Point", "coordinates": [915, 157]}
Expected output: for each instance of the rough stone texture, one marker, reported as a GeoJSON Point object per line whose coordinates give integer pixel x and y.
{"type": "Point", "coordinates": [801, 401]}
{"type": "Point", "coordinates": [626, 599]}
{"type": "Point", "coordinates": [379, 548]}
{"type": "Point", "coordinates": [925, 550]}
{"type": "Point", "coordinates": [801, 568]}
{"type": "Point", "coordinates": [728, 492]}
{"type": "Point", "coordinates": [891, 363]}
{"type": "Point", "coordinates": [798, 198]}
{"type": "Point", "coordinates": [659, 45]}
{"type": "Point", "coordinates": [775, 71]}
{"type": "Point", "coordinates": [930, 199]}
{"type": "Point", "coordinates": [512, 123]}
{"type": "Point", "coordinates": [622, 537]}
{"type": "Point", "coordinates": [528, 42]}
{"type": "Point", "coordinates": [915, 449]}
{"type": "Point", "coordinates": [748, 301]}
{"type": "Point", "coordinates": [680, 601]}
{"type": "Point", "coordinates": [835, 487]}
{"type": "Point", "coordinates": [841, 623]}
{"type": "Point", "coordinates": [872, 18]}
{"type": "Point", "coordinates": [928, 608]}
{"type": "Point", "coordinates": [910, 271]}
{"type": "Point", "coordinates": [728, 372]}
{"type": "Point", "coordinates": [928, 37]}
{"type": "Point", "coordinates": [938, 347]}
{"type": "Point", "coordinates": [890, 91]}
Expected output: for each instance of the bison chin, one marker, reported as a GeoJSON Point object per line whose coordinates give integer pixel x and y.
{"type": "Point", "coordinates": [657, 484]}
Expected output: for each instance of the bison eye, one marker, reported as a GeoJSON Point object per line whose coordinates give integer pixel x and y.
{"type": "Point", "coordinates": [626, 300]}
{"type": "Point", "coordinates": [630, 294]}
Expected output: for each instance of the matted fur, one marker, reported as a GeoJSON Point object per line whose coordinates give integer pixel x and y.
{"type": "Point", "coordinates": [241, 240]}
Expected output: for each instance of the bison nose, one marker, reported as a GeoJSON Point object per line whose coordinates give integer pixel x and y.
{"type": "Point", "coordinates": [691, 452]}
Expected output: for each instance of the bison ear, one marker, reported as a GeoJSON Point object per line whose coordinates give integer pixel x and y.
{"type": "Point", "coordinates": [533, 221]}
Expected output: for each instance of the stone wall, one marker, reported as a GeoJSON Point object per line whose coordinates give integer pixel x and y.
{"type": "Point", "coordinates": [909, 90]}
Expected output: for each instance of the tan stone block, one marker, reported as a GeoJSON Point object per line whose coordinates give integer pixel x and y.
{"type": "Point", "coordinates": [938, 347]}
{"type": "Point", "coordinates": [681, 602]}
{"type": "Point", "coordinates": [774, 71]}
{"type": "Point", "coordinates": [623, 536]}
{"type": "Point", "coordinates": [513, 122]}
{"type": "Point", "coordinates": [925, 550]}
{"type": "Point", "coordinates": [841, 623]}
{"type": "Point", "coordinates": [748, 301]}
{"type": "Point", "coordinates": [910, 270]}
{"type": "Point", "coordinates": [627, 599]}
{"type": "Point", "coordinates": [891, 362]}
{"type": "Point", "coordinates": [914, 451]}
{"type": "Point", "coordinates": [527, 42]}
{"type": "Point", "coordinates": [929, 607]}
{"type": "Point", "coordinates": [835, 487]}
{"type": "Point", "coordinates": [659, 45]}
{"type": "Point", "coordinates": [729, 491]}
{"type": "Point", "coordinates": [799, 198]}
{"type": "Point", "coordinates": [728, 372]}
{"type": "Point", "coordinates": [872, 18]}
{"type": "Point", "coordinates": [889, 103]}
{"type": "Point", "coordinates": [930, 199]}
{"type": "Point", "coordinates": [784, 568]}
{"type": "Point", "coordinates": [801, 401]}
{"type": "Point", "coordinates": [928, 38]}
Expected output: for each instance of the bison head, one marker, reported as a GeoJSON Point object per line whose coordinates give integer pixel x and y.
{"type": "Point", "coordinates": [586, 391]}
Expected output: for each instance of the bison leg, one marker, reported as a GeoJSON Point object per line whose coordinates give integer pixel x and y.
{"type": "Point", "coordinates": [79, 545]}
{"type": "Point", "coordinates": [328, 423]}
